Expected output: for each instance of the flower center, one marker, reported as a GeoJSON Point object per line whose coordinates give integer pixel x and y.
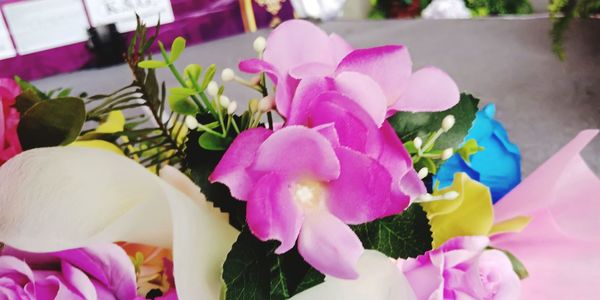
{"type": "Point", "coordinates": [308, 195]}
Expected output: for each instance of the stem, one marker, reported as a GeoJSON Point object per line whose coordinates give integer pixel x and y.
{"type": "Point", "coordinates": [175, 73]}
{"type": "Point", "coordinates": [430, 141]}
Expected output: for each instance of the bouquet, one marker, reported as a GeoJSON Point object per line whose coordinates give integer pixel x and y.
{"type": "Point", "coordinates": [347, 176]}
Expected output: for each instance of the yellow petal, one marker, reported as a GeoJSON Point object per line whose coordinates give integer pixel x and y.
{"type": "Point", "coordinates": [114, 123]}
{"type": "Point", "coordinates": [470, 214]}
{"type": "Point", "coordinates": [516, 224]}
{"type": "Point", "coordinates": [98, 144]}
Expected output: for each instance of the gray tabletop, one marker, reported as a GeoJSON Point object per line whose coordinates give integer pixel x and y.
{"type": "Point", "coordinates": [542, 101]}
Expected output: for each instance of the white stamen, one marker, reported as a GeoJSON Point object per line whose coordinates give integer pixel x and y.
{"type": "Point", "coordinates": [451, 195]}
{"type": "Point", "coordinates": [266, 104]}
{"type": "Point", "coordinates": [212, 88]}
{"type": "Point", "coordinates": [232, 107]}
{"type": "Point", "coordinates": [447, 153]}
{"type": "Point", "coordinates": [259, 44]}
{"type": "Point", "coordinates": [423, 172]}
{"type": "Point", "coordinates": [227, 75]}
{"type": "Point", "coordinates": [418, 142]}
{"type": "Point", "coordinates": [305, 195]}
{"type": "Point", "coordinates": [224, 101]}
{"type": "Point", "coordinates": [448, 123]}
{"type": "Point", "coordinates": [191, 122]}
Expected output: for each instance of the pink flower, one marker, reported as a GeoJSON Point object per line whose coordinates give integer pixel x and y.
{"type": "Point", "coordinates": [462, 269]}
{"type": "Point", "coordinates": [380, 79]}
{"type": "Point", "coordinates": [9, 120]}
{"type": "Point", "coordinates": [303, 184]}
{"type": "Point", "coordinates": [99, 272]}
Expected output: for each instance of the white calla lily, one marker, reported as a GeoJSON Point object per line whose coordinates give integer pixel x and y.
{"type": "Point", "coordinates": [59, 198]}
{"type": "Point", "coordinates": [379, 279]}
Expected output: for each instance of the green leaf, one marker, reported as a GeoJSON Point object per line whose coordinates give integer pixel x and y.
{"type": "Point", "coordinates": [51, 123]}
{"type": "Point", "coordinates": [193, 72]}
{"type": "Point", "coordinates": [183, 105]}
{"type": "Point", "coordinates": [410, 125]}
{"type": "Point", "coordinates": [208, 76]}
{"type": "Point", "coordinates": [401, 236]}
{"type": "Point", "coordinates": [26, 86]}
{"type": "Point", "coordinates": [152, 64]}
{"type": "Point", "coordinates": [428, 163]}
{"type": "Point", "coordinates": [210, 141]}
{"type": "Point", "coordinates": [26, 100]}
{"type": "Point", "coordinates": [181, 91]}
{"type": "Point", "coordinates": [64, 93]}
{"type": "Point", "coordinates": [252, 270]}
{"type": "Point", "coordinates": [176, 49]}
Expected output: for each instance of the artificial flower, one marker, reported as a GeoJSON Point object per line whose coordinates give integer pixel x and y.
{"type": "Point", "coordinates": [462, 268]}
{"type": "Point", "coordinates": [154, 269]}
{"type": "Point", "coordinates": [96, 272]}
{"type": "Point", "coordinates": [560, 245]}
{"type": "Point", "coordinates": [301, 184]}
{"type": "Point", "coordinates": [86, 196]}
{"type": "Point", "coordinates": [498, 165]}
{"type": "Point", "coordinates": [379, 279]}
{"type": "Point", "coordinates": [446, 9]}
{"type": "Point", "coordinates": [9, 120]}
{"type": "Point", "coordinates": [380, 79]}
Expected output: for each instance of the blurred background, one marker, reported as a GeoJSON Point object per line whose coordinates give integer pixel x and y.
{"type": "Point", "coordinates": [538, 60]}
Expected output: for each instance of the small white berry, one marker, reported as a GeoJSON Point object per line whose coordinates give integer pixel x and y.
{"type": "Point", "coordinates": [266, 104]}
{"type": "Point", "coordinates": [232, 107]}
{"type": "Point", "coordinates": [448, 123]}
{"type": "Point", "coordinates": [212, 88]}
{"type": "Point", "coordinates": [424, 198]}
{"type": "Point", "coordinates": [447, 153]}
{"type": "Point", "coordinates": [418, 142]}
{"type": "Point", "coordinates": [191, 122]}
{"type": "Point", "coordinates": [259, 44]}
{"type": "Point", "coordinates": [423, 172]}
{"type": "Point", "coordinates": [224, 101]}
{"type": "Point", "coordinates": [227, 75]}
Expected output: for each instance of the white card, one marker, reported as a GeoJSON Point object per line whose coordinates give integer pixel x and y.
{"type": "Point", "coordinates": [6, 47]}
{"type": "Point", "coordinates": [122, 12]}
{"type": "Point", "coordinates": [38, 25]}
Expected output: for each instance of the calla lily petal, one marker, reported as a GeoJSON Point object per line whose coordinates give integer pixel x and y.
{"type": "Point", "coordinates": [379, 278]}
{"type": "Point", "coordinates": [60, 198]}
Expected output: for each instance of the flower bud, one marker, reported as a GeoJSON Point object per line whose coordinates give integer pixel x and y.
{"type": "Point", "coordinates": [448, 123]}
{"type": "Point", "coordinates": [224, 101]}
{"type": "Point", "coordinates": [266, 104]}
{"type": "Point", "coordinates": [253, 105]}
{"type": "Point", "coordinates": [232, 107]}
{"type": "Point", "coordinates": [227, 75]}
{"type": "Point", "coordinates": [423, 172]}
{"type": "Point", "coordinates": [447, 153]}
{"type": "Point", "coordinates": [418, 142]}
{"type": "Point", "coordinates": [212, 88]}
{"type": "Point", "coordinates": [259, 44]}
{"type": "Point", "coordinates": [191, 122]}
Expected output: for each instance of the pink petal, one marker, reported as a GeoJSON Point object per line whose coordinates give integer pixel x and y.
{"type": "Point", "coordinates": [298, 151]}
{"type": "Point", "coordinates": [231, 170]}
{"type": "Point", "coordinates": [328, 131]}
{"type": "Point", "coordinates": [390, 66]}
{"type": "Point", "coordinates": [329, 245]}
{"type": "Point", "coordinates": [312, 70]}
{"type": "Point", "coordinates": [429, 89]}
{"type": "Point", "coordinates": [362, 192]}
{"type": "Point", "coordinates": [364, 91]}
{"type": "Point", "coordinates": [297, 42]}
{"type": "Point", "coordinates": [80, 281]}
{"type": "Point", "coordinates": [559, 247]}
{"type": "Point", "coordinates": [306, 95]}
{"type": "Point", "coordinates": [397, 160]}
{"type": "Point", "coordinates": [340, 47]}
{"type": "Point", "coordinates": [255, 65]}
{"type": "Point", "coordinates": [1, 128]}
{"type": "Point", "coordinates": [272, 214]}
{"type": "Point", "coordinates": [11, 266]}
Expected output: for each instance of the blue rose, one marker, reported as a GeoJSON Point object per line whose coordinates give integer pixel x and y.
{"type": "Point", "coordinates": [497, 166]}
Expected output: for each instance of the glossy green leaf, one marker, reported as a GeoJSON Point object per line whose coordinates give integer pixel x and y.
{"type": "Point", "coordinates": [26, 100]}
{"type": "Point", "coordinates": [182, 104]}
{"type": "Point", "coordinates": [405, 235]}
{"type": "Point", "coordinates": [176, 49]}
{"type": "Point", "coordinates": [152, 64]}
{"type": "Point", "coordinates": [51, 123]}
{"type": "Point", "coordinates": [210, 141]}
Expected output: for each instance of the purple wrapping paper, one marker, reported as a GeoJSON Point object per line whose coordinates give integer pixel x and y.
{"type": "Point", "coordinates": [195, 20]}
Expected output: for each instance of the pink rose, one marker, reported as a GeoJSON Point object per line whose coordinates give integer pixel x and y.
{"type": "Point", "coordinates": [9, 120]}
{"type": "Point", "coordinates": [99, 272]}
{"type": "Point", "coordinates": [462, 268]}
